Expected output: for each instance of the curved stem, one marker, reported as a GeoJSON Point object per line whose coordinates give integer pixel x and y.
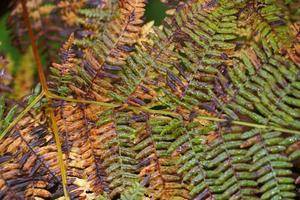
{"type": "Point", "coordinates": [37, 57]}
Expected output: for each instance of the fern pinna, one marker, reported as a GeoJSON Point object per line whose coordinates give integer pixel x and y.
{"type": "Point", "coordinates": [205, 106]}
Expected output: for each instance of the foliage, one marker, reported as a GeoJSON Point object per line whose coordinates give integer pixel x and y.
{"type": "Point", "coordinates": [205, 106]}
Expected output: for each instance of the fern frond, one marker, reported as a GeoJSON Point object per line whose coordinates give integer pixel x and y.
{"type": "Point", "coordinates": [28, 160]}
{"type": "Point", "coordinates": [204, 107]}
{"type": "Point", "coordinates": [293, 10]}
{"type": "Point", "coordinates": [157, 168]}
{"type": "Point", "coordinates": [271, 167]}
{"type": "Point", "coordinates": [69, 11]}
{"type": "Point", "coordinates": [101, 58]}
{"type": "Point", "coordinates": [269, 22]}
{"type": "Point", "coordinates": [115, 135]}
{"type": "Point", "coordinates": [137, 192]}
{"type": "Point", "coordinates": [213, 164]}
{"type": "Point", "coordinates": [6, 116]}
{"type": "Point", "coordinates": [93, 18]}
{"type": "Point", "coordinates": [51, 22]}
{"type": "Point", "coordinates": [43, 25]}
{"type": "Point", "coordinates": [81, 159]}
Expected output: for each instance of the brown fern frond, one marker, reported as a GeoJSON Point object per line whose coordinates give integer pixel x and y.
{"type": "Point", "coordinates": [28, 161]}
{"type": "Point", "coordinates": [69, 11]}
{"type": "Point", "coordinates": [82, 158]}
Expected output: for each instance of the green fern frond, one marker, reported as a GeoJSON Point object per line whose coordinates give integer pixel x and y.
{"type": "Point", "coordinates": [137, 192]}
{"type": "Point", "coordinates": [156, 165]}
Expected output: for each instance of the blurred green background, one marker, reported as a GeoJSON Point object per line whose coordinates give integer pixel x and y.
{"type": "Point", "coordinates": [155, 10]}
{"type": "Point", "coordinates": [5, 43]}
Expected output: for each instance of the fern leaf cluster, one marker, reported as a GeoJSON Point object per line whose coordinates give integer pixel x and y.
{"type": "Point", "coordinates": [205, 106]}
{"type": "Point", "coordinates": [52, 22]}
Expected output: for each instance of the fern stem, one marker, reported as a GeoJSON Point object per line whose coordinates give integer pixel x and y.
{"type": "Point", "coordinates": [54, 96]}
{"type": "Point", "coordinates": [59, 153]}
{"type": "Point", "coordinates": [149, 110]}
{"type": "Point", "coordinates": [248, 124]}
{"type": "Point", "coordinates": [216, 119]}
{"type": "Point", "coordinates": [37, 57]}
{"type": "Point", "coordinates": [162, 112]}
{"type": "Point", "coordinates": [21, 115]}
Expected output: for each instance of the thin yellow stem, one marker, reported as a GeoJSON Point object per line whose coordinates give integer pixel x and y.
{"type": "Point", "coordinates": [54, 96]}
{"type": "Point", "coordinates": [170, 113]}
{"type": "Point", "coordinates": [59, 152]}
{"type": "Point", "coordinates": [249, 124]}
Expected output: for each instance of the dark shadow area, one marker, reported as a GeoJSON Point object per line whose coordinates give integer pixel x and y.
{"type": "Point", "coordinates": [155, 10]}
